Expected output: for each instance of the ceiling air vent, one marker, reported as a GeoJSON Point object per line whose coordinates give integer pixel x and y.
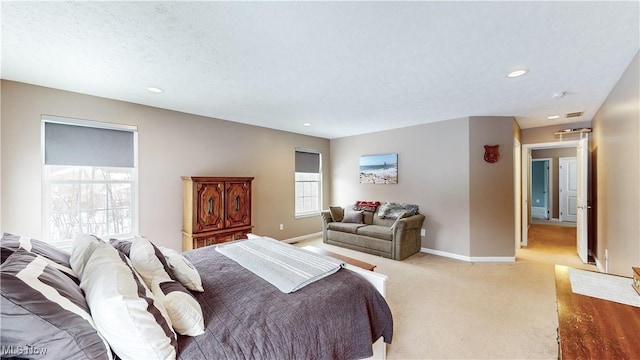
{"type": "Point", "coordinates": [573, 114]}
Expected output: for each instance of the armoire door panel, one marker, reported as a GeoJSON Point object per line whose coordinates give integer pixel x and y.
{"type": "Point", "coordinates": [238, 204]}
{"type": "Point", "coordinates": [210, 206]}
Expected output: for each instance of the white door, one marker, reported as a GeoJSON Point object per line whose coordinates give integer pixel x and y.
{"type": "Point", "coordinates": [582, 164]}
{"type": "Point", "coordinates": [568, 190]}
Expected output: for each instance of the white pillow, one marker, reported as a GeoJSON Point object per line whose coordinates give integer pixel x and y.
{"type": "Point", "coordinates": [146, 261]}
{"type": "Point", "coordinates": [81, 250]}
{"type": "Point", "coordinates": [124, 310]}
{"type": "Point", "coordinates": [183, 270]}
{"type": "Point", "coordinates": [183, 309]}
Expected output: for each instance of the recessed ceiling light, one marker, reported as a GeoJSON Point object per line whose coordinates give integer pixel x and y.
{"type": "Point", "coordinates": [553, 117]}
{"type": "Point", "coordinates": [517, 73]}
{"type": "Point", "coordinates": [307, 124]}
{"type": "Point", "coordinates": [154, 89]}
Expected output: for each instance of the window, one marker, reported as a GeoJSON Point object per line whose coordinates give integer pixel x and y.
{"type": "Point", "coordinates": [90, 180]}
{"type": "Point", "coordinates": [308, 180]}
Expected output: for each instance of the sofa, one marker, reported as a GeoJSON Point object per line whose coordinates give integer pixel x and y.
{"type": "Point", "coordinates": [390, 230]}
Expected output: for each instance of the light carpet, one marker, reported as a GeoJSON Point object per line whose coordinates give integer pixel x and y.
{"type": "Point", "coordinates": [450, 309]}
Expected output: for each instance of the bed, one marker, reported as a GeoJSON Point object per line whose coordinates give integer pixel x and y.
{"type": "Point", "coordinates": [337, 317]}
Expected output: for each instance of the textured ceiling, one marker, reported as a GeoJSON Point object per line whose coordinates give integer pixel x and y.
{"type": "Point", "coordinates": [345, 67]}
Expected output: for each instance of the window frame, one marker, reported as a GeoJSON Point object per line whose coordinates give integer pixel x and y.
{"type": "Point", "coordinates": [47, 182]}
{"type": "Point", "coordinates": [304, 214]}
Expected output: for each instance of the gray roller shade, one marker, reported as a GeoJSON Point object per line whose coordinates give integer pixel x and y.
{"type": "Point", "coordinates": [75, 145]}
{"type": "Point", "coordinates": [307, 162]}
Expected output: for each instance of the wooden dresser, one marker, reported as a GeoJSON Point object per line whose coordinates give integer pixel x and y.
{"type": "Point", "coordinates": [215, 210]}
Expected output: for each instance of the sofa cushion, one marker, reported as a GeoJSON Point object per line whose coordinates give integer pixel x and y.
{"type": "Point", "coordinates": [376, 231]}
{"type": "Point", "coordinates": [337, 213]}
{"type": "Point", "coordinates": [344, 227]}
{"type": "Point", "coordinates": [360, 242]}
{"type": "Point", "coordinates": [356, 217]}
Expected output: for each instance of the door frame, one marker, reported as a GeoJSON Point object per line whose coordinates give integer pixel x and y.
{"type": "Point", "coordinates": [549, 184]}
{"type": "Point", "coordinates": [525, 186]}
{"type": "Point", "coordinates": [582, 233]}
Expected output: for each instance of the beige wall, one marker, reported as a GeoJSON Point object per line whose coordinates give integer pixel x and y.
{"type": "Point", "coordinates": [554, 155]}
{"type": "Point", "coordinates": [433, 172]}
{"type": "Point", "coordinates": [545, 134]}
{"type": "Point", "coordinates": [616, 149]}
{"type": "Point", "coordinates": [492, 202]}
{"type": "Point", "coordinates": [171, 144]}
{"type": "Point", "coordinates": [441, 168]}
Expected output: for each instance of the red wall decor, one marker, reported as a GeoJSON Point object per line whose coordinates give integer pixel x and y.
{"type": "Point", "coordinates": [491, 153]}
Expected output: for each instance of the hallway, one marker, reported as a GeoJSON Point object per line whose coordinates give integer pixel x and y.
{"type": "Point", "coordinates": [553, 244]}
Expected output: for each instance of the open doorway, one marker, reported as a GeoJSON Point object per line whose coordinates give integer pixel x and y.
{"type": "Point", "coordinates": [541, 187]}
{"type": "Point", "coordinates": [561, 178]}
{"type": "Point", "coordinates": [532, 198]}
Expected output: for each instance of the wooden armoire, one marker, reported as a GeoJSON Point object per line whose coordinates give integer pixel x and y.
{"type": "Point", "coordinates": [215, 210]}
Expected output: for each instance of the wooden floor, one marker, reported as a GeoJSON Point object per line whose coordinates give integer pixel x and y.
{"type": "Point", "coordinates": [593, 328]}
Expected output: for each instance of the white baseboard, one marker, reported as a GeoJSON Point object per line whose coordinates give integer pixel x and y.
{"type": "Point", "coordinates": [302, 238]}
{"type": "Point", "coordinates": [469, 258]}
{"type": "Point", "coordinates": [424, 250]}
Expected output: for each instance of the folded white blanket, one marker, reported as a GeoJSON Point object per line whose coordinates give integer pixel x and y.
{"type": "Point", "coordinates": [283, 265]}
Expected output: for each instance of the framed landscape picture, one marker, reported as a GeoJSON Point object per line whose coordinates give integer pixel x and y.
{"type": "Point", "coordinates": [379, 169]}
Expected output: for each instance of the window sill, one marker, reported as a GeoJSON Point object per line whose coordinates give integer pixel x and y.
{"type": "Point", "coordinates": [307, 215]}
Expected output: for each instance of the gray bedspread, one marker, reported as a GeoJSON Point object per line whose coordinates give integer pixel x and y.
{"type": "Point", "coordinates": [337, 317]}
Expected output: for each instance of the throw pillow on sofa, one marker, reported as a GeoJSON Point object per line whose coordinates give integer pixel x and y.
{"type": "Point", "coordinates": [356, 217]}
{"type": "Point", "coordinates": [337, 213]}
{"type": "Point", "coordinates": [394, 210]}
{"type": "Point", "coordinates": [366, 205]}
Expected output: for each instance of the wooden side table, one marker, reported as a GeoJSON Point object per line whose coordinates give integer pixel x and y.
{"type": "Point", "coordinates": [348, 260]}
